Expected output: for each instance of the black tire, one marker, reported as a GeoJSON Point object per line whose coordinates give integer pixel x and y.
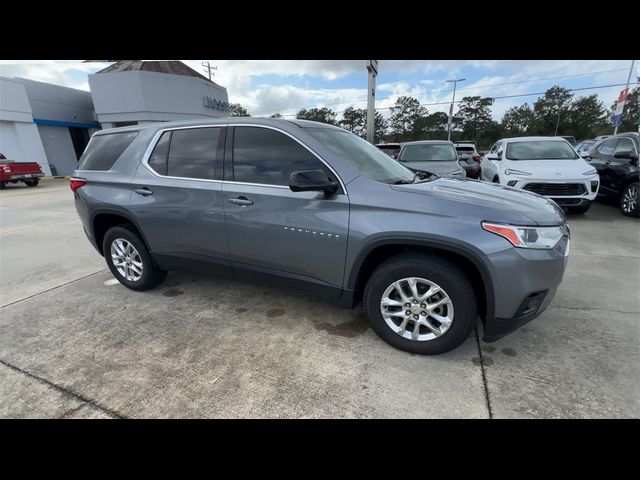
{"type": "Point", "coordinates": [438, 270]}
{"type": "Point", "coordinates": [151, 277]}
{"type": "Point", "coordinates": [581, 209]}
{"type": "Point", "coordinates": [630, 209]}
{"type": "Point", "coordinates": [496, 179]}
{"type": "Point", "coordinates": [32, 182]}
{"type": "Point", "coordinates": [2, 185]}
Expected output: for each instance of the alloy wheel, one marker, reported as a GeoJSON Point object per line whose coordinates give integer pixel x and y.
{"type": "Point", "coordinates": [126, 259]}
{"type": "Point", "coordinates": [630, 198]}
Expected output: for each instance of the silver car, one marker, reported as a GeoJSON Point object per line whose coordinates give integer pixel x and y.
{"type": "Point", "coordinates": [434, 156]}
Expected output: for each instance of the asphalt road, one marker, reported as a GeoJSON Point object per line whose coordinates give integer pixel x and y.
{"type": "Point", "coordinates": [76, 344]}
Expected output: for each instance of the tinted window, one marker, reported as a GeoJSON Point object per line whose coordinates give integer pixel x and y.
{"type": "Point", "coordinates": [541, 150]}
{"type": "Point", "coordinates": [429, 152]}
{"type": "Point", "coordinates": [103, 150]}
{"type": "Point", "coordinates": [261, 155]}
{"type": "Point", "coordinates": [608, 147]}
{"type": "Point", "coordinates": [192, 152]}
{"type": "Point", "coordinates": [158, 159]}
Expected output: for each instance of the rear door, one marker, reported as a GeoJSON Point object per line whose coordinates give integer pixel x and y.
{"type": "Point", "coordinates": [176, 198]}
{"type": "Point", "coordinates": [294, 238]}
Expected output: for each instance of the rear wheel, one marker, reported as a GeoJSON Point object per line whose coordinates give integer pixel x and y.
{"type": "Point", "coordinates": [32, 182]}
{"type": "Point", "coordinates": [420, 303]}
{"type": "Point", "coordinates": [630, 200]}
{"type": "Point", "coordinates": [129, 260]}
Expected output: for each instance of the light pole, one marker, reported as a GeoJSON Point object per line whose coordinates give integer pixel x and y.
{"type": "Point", "coordinates": [453, 100]}
{"type": "Point", "coordinates": [372, 68]}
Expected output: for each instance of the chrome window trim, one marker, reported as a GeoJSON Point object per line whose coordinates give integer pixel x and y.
{"type": "Point", "coordinates": [159, 133]}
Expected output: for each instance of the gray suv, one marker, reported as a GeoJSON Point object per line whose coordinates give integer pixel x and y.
{"type": "Point", "coordinates": [314, 207]}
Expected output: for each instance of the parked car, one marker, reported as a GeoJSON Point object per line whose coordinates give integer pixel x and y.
{"type": "Point", "coordinates": [616, 160]}
{"type": "Point", "coordinates": [549, 166]}
{"type": "Point", "coordinates": [391, 149]}
{"type": "Point", "coordinates": [584, 146]}
{"type": "Point", "coordinates": [314, 207]}
{"type": "Point", "coordinates": [469, 158]}
{"type": "Point", "coordinates": [434, 156]}
{"type": "Point", "coordinates": [570, 139]}
{"type": "Point", "coordinates": [14, 172]}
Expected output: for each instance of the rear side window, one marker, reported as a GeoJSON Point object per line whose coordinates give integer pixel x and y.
{"type": "Point", "coordinates": [187, 153]}
{"type": "Point", "coordinates": [103, 150]}
{"type": "Point", "coordinates": [264, 156]}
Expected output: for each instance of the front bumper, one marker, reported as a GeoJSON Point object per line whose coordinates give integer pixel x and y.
{"type": "Point", "coordinates": [591, 187]}
{"type": "Point", "coordinates": [525, 282]}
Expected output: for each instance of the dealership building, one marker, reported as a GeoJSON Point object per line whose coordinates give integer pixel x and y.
{"type": "Point", "coordinates": [51, 124]}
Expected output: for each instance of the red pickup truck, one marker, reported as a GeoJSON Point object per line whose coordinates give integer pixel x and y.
{"type": "Point", "coordinates": [14, 172]}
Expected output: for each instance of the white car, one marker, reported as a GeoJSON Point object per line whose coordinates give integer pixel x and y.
{"type": "Point", "coordinates": [549, 166]}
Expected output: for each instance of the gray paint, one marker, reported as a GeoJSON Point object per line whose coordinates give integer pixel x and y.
{"type": "Point", "coordinates": [275, 234]}
{"type": "Point", "coordinates": [58, 147]}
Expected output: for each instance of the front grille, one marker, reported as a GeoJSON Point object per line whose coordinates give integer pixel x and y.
{"type": "Point", "coordinates": [556, 189]}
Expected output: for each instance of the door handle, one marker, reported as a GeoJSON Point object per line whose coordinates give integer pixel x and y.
{"type": "Point", "coordinates": [143, 191]}
{"type": "Point", "coordinates": [242, 201]}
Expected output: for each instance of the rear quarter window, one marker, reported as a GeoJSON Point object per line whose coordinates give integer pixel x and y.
{"type": "Point", "coordinates": [103, 150]}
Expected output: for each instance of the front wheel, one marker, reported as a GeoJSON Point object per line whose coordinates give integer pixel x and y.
{"type": "Point", "coordinates": [129, 260]}
{"type": "Point", "coordinates": [420, 303]}
{"type": "Point", "coordinates": [629, 200]}
{"type": "Point", "coordinates": [32, 182]}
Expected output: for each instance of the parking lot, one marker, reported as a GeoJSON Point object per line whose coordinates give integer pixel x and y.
{"type": "Point", "coordinates": [76, 344]}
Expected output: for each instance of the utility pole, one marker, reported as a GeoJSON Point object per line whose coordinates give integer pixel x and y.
{"type": "Point", "coordinates": [207, 66]}
{"type": "Point", "coordinates": [626, 89]}
{"type": "Point", "coordinates": [372, 68]}
{"type": "Point", "coordinates": [558, 122]}
{"type": "Point", "coordinates": [453, 100]}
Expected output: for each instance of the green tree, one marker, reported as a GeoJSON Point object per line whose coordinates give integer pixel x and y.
{"type": "Point", "coordinates": [275, 115]}
{"type": "Point", "coordinates": [518, 121]}
{"type": "Point", "coordinates": [475, 115]}
{"type": "Point", "coordinates": [434, 126]}
{"type": "Point", "coordinates": [324, 115]}
{"type": "Point", "coordinates": [355, 120]}
{"type": "Point", "coordinates": [407, 119]}
{"type": "Point", "coordinates": [548, 109]}
{"type": "Point", "coordinates": [237, 110]}
{"type": "Point", "coordinates": [585, 117]}
{"type": "Point", "coordinates": [629, 121]}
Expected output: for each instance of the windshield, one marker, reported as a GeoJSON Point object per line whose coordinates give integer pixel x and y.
{"type": "Point", "coordinates": [428, 152]}
{"type": "Point", "coordinates": [540, 150]}
{"type": "Point", "coordinates": [361, 155]}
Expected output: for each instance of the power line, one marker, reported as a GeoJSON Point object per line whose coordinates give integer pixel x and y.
{"type": "Point", "coordinates": [500, 97]}
{"type": "Point", "coordinates": [391, 97]}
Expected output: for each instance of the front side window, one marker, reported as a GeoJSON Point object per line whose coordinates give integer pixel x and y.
{"type": "Point", "coordinates": [625, 145]}
{"type": "Point", "coordinates": [540, 150]}
{"type": "Point", "coordinates": [265, 156]}
{"type": "Point", "coordinates": [186, 153]}
{"type": "Point", "coordinates": [428, 152]}
{"type": "Point", "coordinates": [608, 146]}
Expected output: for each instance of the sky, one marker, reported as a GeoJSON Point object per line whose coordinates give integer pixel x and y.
{"type": "Point", "coordinates": [265, 87]}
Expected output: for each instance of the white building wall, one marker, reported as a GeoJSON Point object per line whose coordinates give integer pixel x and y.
{"type": "Point", "coordinates": [59, 148]}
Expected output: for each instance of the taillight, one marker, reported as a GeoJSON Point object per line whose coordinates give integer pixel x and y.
{"type": "Point", "coordinates": [76, 183]}
{"type": "Point", "coordinates": [6, 169]}
{"type": "Point", "coordinates": [477, 158]}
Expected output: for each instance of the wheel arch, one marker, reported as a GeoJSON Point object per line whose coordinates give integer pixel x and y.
{"type": "Point", "coordinates": [105, 218]}
{"type": "Point", "coordinates": [467, 257]}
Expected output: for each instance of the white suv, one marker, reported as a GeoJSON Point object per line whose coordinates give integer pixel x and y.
{"type": "Point", "coordinates": [549, 166]}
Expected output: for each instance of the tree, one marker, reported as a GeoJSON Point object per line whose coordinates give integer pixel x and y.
{"type": "Point", "coordinates": [355, 120]}
{"type": "Point", "coordinates": [324, 115]}
{"type": "Point", "coordinates": [518, 121]}
{"type": "Point", "coordinates": [434, 126]}
{"type": "Point", "coordinates": [548, 111]}
{"type": "Point", "coordinates": [275, 115]}
{"type": "Point", "coordinates": [629, 121]}
{"type": "Point", "coordinates": [475, 115]}
{"type": "Point", "coordinates": [237, 110]}
{"type": "Point", "coordinates": [586, 117]}
{"type": "Point", "coordinates": [407, 119]}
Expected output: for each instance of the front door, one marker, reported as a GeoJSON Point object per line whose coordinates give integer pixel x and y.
{"type": "Point", "coordinates": [295, 238]}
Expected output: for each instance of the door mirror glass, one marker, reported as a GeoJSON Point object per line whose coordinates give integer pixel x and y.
{"type": "Point", "coordinates": [312, 180]}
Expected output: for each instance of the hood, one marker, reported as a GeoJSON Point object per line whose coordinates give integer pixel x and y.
{"type": "Point", "coordinates": [551, 169]}
{"type": "Point", "coordinates": [501, 204]}
{"type": "Point", "coordinates": [439, 168]}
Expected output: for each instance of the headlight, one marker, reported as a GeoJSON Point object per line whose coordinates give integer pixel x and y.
{"type": "Point", "coordinates": [590, 172]}
{"type": "Point", "coordinates": [527, 237]}
{"type": "Point", "coordinates": [509, 171]}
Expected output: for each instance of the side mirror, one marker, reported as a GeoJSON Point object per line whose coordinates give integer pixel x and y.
{"type": "Point", "coordinates": [312, 181]}
{"type": "Point", "coordinates": [493, 156]}
{"type": "Point", "coordinates": [626, 154]}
